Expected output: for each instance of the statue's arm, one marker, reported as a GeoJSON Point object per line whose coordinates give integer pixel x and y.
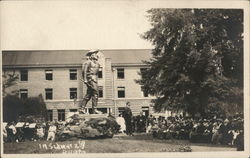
{"type": "Point", "coordinates": [84, 71]}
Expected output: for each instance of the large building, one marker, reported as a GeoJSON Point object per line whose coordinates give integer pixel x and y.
{"type": "Point", "coordinates": [57, 76]}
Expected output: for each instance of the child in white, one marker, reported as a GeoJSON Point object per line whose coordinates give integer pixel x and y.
{"type": "Point", "coordinates": [51, 132]}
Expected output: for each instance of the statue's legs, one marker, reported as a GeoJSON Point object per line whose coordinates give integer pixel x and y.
{"type": "Point", "coordinates": [86, 99]}
{"type": "Point", "coordinates": [94, 87]}
{"type": "Point", "coordinates": [92, 92]}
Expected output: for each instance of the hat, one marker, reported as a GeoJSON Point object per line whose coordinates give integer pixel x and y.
{"type": "Point", "coordinates": [92, 51]}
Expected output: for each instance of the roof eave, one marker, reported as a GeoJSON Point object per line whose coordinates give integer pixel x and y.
{"type": "Point", "coordinates": [42, 66]}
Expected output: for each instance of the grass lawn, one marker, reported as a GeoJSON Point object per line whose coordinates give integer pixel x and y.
{"type": "Point", "coordinates": [118, 144]}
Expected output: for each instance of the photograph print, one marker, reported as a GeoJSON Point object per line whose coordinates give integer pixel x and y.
{"type": "Point", "coordinates": [122, 78]}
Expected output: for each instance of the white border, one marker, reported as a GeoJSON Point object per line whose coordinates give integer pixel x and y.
{"type": "Point", "coordinates": [170, 4]}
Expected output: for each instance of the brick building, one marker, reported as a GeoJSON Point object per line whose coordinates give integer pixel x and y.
{"type": "Point", "coordinates": [57, 76]}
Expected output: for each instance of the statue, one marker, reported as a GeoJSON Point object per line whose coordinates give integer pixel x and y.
{"type": "Point", "coordinates": [90, 78]}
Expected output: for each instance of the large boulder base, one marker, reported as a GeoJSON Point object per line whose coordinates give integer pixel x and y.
{"type": "Point", "coordinates": [88, 126]}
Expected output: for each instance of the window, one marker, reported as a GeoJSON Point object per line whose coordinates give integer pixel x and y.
{"type": "Point", "coordinates": [145, 111]}
{"type": "Point", "coordinates": [120, 73]}
{"type": "Point", "coordinates": [73, 93]}
{"type": "Point", "coordinates": [49, 75]}
{"type": "Point", "coordinates": [24, 75]}
{"type": "Point", "coordinates": [145, 94]}
{"type": "Point", "coordinates": [103, 110]}
{"type": "Point", "coordinates": [73, 74]}
{"type": "Point", "coordinates": [72, 110]}
{"type": "Point", "coordinates": [121, 92]}
{"type": "Point", "coordinates": [100, 73]}
{"type": "Point", "coordinates": [23, 93]}
{"type": "Point", "coordinates": [61, 114]}
{"type": "Point", "coordinates": [143, 71]}
{"type": "Point", "coordinates": [50, 115]}
{"type": "Point", "coordinates": [48, 93]}
{"type": "Point", "coordinates": [121, 110]}
{"type": "Point", "coordinates": [100, 91]}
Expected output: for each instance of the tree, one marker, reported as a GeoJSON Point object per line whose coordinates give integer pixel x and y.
{"type": "Point", "coordinates": [197, 62]}
{"type": "Point", "coordinates": [15, 109]}
{"type": "Point", "coordinates": [35, 106]}
{"type": "Point", "coordinates": [12, 108]}
{"type": "Point", "coordinates": [9, 79]}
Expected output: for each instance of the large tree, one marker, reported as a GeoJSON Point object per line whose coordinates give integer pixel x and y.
{"type": "Point", "coordinates": [197, 62]}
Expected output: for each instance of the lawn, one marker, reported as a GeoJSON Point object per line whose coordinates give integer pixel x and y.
{"type": "Point", "coordinates": [118, 144]}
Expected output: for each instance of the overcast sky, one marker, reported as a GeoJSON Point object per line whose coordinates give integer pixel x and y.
{"type": "Point", "coordinates": [74, 25]}
{"type": "Point", "coordinates": [48, 25]}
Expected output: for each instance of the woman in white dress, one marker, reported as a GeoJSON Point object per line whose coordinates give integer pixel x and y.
{"type": "Point", "coordinates": [120, 120]}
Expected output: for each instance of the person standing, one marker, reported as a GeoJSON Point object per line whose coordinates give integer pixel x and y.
{"type": "Point", "coordinates": [90, 77]}
{"type": "Point", "coordinates": [11, 132]}
{"type": "Point", "coordinates": [127, 114]}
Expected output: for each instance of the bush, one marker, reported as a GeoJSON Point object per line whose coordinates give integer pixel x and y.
{"type": "Point", "coordinates": [14, 107]}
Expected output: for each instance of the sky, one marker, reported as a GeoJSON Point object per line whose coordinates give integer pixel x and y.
{"type": "Point", "coordinates": [85, 24]}
{"type": "Point", "coordinates": [73, 25]}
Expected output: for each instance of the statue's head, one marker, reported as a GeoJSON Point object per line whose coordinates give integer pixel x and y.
{"type": "Point", "coordinates": [93, 54]}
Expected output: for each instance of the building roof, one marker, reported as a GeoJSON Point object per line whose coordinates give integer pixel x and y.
{"type": "Point", "coordinates": [71, 57]}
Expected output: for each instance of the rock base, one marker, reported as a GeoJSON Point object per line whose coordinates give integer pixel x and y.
{"type": "Point", "coordinates": [89, 126]}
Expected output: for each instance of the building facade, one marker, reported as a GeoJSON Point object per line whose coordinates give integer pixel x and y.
{"type": "Point", "coordinates": [57, 76]}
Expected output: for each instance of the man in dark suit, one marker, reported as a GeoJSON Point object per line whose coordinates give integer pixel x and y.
{"type": "Point", "coordinates": [127, 114]}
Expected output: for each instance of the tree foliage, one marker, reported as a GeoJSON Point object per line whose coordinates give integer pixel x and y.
{"type": "Point", "coordinates": [9, 79]}
{"type": "Point", "coordinates": [34, 106]}
{"type": "Point", "coordinates": [197, 62]}
{"type": "Point", "coordinates": [14, 108]}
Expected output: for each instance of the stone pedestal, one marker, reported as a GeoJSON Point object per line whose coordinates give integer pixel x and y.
{"type": "Point", "coordinates": [88, 116]}
{"type": "Point", "coordinates": [89, 126]}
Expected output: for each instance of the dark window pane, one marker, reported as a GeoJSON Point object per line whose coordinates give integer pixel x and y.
{"type": "Point", "coordinates": [73, 74]}
{"type": "Point", "coordinates": [145, 111]}
{"type": "Point", "coordinates": [121, 92]}
{"type": "Point", "coordinates": [23, 93]}
{"type": "Point", "coordinates": [120, 73]}
{"type": "Point", "coordinates": [48, 74]}
{"type": "Point", "coordinates": [121, 109]}
{"type": "Point", "coordinates": [100, 73]}
{"type": "Point", "coordinates": [73, 110]}
{"type": "Point", "coordinates": [24, 75]}
{"type": "Point", "coordinates": [100, 92]}
{"type": "Point", "coordinates": [103, 110]}
{"type": "Point", "coordinates": [49, 94]}
{"type": "Point", "coordinates": [61, 115]}
{"type": "Point", "coordinates": [145, 94]}
{"type": "Point", "coordinates": [73, 93]}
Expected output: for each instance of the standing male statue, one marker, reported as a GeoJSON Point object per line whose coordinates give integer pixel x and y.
{"type": "Point", "coordinates": [90, 76]}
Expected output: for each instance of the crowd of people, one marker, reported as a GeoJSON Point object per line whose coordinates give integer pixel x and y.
{"type": "Point", "coordinates": [25, 131]}
{"type": "Point", "coordinates": [225, 131]}
{"type": "Point", "coordinates": [216, 130]}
